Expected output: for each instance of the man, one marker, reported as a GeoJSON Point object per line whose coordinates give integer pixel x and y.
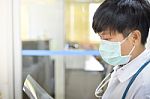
{"type": "Point", "coordinates": [123, 27]}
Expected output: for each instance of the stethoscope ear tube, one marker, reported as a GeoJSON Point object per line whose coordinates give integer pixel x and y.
{"type": "Point", "coordinates": [104, 82]}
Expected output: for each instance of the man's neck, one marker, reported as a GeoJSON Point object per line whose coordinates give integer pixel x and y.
{"type": "Point", "coordinates": [138, 51]}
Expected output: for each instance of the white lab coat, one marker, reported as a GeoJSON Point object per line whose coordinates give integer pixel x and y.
{"type": "Point", "coordinates": [140, 89]}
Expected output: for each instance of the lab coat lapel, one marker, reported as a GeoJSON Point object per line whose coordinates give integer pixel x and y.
{"type": "Point", "coordinates": [127, 71]}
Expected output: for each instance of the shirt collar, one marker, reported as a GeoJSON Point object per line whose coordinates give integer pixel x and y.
{"type": "Point", "coordinates": [128, 70]}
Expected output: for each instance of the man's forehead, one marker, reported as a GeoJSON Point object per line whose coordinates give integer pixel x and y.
{"type": "Point", "coordinates": [108, 33]}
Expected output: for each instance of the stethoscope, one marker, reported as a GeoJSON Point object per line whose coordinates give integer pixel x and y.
{"type": "Point", "coordinates": [104, 82]}
{"type": "Point", "coordinates": [99, 89]}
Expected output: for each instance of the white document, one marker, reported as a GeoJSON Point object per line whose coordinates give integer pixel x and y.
{"type": "Point", "coordinates": [34, 90]}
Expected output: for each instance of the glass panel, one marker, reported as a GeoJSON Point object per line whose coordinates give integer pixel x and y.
{"type": "Point", "coordinates": [41, 23]}
{"type": "Point", "coordinates": [58, 29]}
{"type": "Point", "coordinates": [82, 78]}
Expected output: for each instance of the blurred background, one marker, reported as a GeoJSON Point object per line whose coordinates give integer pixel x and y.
{"type": "Point", "coordinates": [53, 41]}
{"type": "Point", "coordinates": [61, 25]}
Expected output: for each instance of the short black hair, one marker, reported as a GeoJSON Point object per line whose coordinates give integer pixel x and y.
{"type": "Point", "coordinates": [123, 16]}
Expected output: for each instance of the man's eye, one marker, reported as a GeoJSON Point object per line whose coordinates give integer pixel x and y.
{"type": "Point", "coordinates": [107, 39]}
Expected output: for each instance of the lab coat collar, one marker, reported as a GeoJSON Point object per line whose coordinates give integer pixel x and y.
{"type": "Point", "coordinates": [128, 70]}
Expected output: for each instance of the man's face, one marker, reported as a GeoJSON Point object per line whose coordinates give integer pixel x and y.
{"type": "Point", "coordinates": [126, 46]}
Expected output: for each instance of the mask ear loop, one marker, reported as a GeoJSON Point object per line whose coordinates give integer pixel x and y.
{"type": "Point", "coordinates": [126, 38]}
{"type": "Point", "coordinates": [132, 50]}
{"type": "Point", "coordinates": [133, 46]}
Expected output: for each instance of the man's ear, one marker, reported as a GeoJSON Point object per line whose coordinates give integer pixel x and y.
{"type": "Point", "coordinates": [136, 36]}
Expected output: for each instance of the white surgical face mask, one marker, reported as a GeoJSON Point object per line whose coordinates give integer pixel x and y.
{"type": "Point", "coordinates": [111, 53]}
